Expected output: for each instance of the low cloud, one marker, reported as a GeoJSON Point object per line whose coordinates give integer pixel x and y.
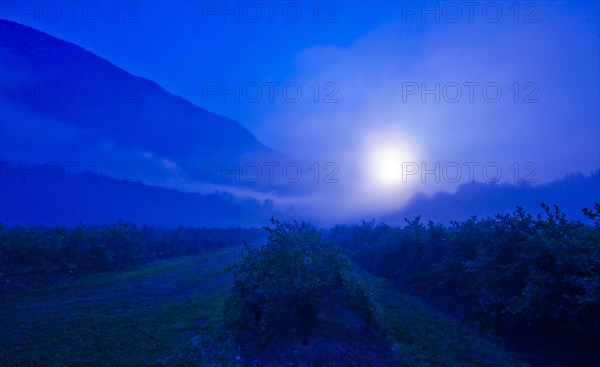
{"type": "Point", "coordinates": [521, 98]}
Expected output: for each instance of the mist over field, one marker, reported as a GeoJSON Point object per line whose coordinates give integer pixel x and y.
{"type": "Point", "coordinates": [372, 174]}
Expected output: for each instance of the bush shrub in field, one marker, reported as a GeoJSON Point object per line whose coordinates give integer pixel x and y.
{"type": "Point", "coordinates": [514, 272]}
{"type": "Point", "coordinates": [281, 288]}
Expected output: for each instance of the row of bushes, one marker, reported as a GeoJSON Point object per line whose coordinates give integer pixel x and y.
{"type": "Point", "coordinates": [513, 272]}
{"type": "Point", "coordinates": [98, 248]}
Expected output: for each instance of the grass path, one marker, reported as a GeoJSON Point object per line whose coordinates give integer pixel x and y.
{"type": "Point", "coordinates": [138, 316]}
{"type": "Point", "coordinates": [424, 337]}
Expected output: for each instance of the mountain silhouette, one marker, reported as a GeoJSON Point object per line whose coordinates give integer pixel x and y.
{"type": "Point", "coordinates": [571, 194]}
{"type": "Point", "coordinates": [63, 103]}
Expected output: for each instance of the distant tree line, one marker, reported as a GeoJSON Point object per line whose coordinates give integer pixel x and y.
{"type": "Point", "coordinates": [514, 274]}
{"type": "Point", "coordinates": [98, 248]}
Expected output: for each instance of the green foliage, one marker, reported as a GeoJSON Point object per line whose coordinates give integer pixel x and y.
{"type": "Point", "coordinates": [89, 249]}
{"type": "Point", "coordinates": [208, 349]}
{"type": "Point", "coordinates": [593, 214]}
{"type": "Point", "coordinates": [169, 313]}
{"type": "Point", "coordinates": [281, 288]}
{"type": "Point", "coordinates": [514, 272]}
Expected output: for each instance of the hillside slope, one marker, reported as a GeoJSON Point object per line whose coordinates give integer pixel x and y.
{"type": "Point", "coordinates": [63, 103]}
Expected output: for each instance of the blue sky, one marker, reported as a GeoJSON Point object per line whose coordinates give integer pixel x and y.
{"type": "Point", "coordinates": [372, 64]}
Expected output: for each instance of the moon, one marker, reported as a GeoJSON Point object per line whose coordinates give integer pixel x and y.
{"type": "Point", "coordinates": [385, 163]}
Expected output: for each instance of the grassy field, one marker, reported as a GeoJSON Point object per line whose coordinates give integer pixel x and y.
{"type": "Point", "coordinates": [117, 319]}
{"type": "Point", "coordinates": [422, 337]}
{"type": "Point", "coordinates": [139, 316]}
